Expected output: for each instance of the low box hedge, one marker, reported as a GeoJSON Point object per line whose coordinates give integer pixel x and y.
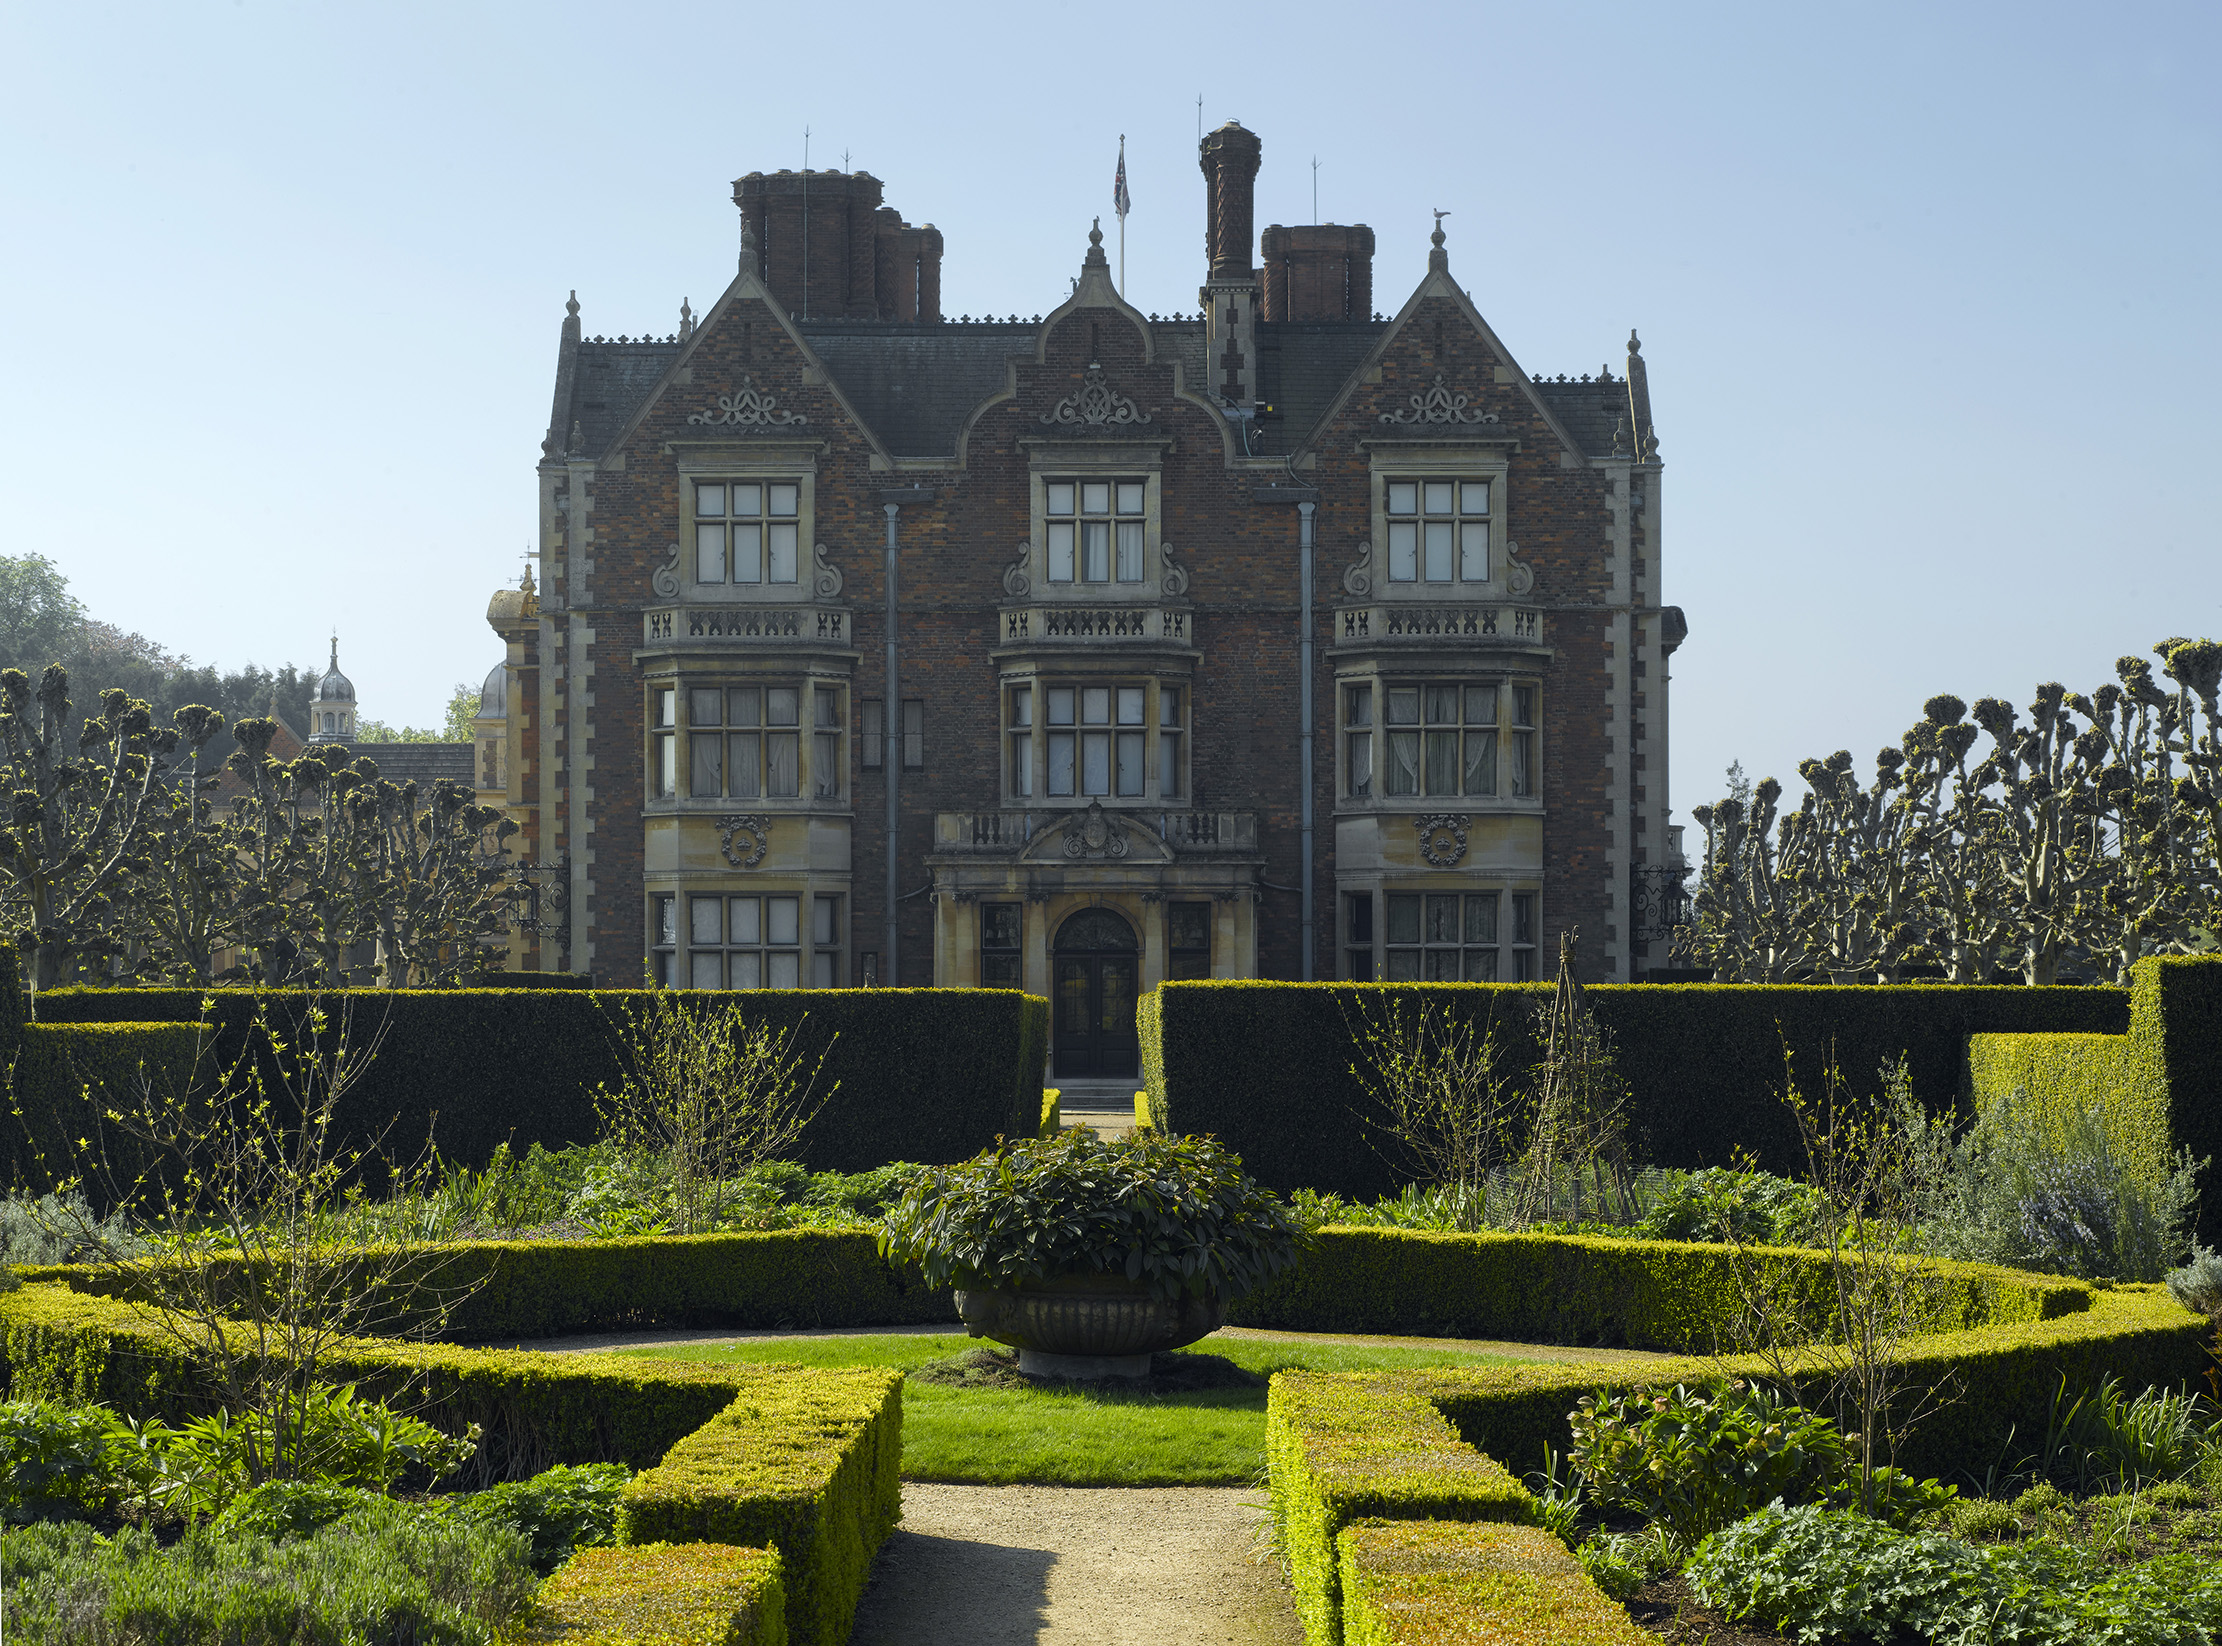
{"type": "Point", "coordinates": [1642, 1294]}
{"type": "Point", "coordinates": [660, 1594]}
{"type": "Point", "coordinates": [1432, 1583]}
{"type": "Point", "coordinates": [1344, 1446]}
{"type": "Point", "coordinates": [923, 1074]}
{"type": "Point", "coordinates": [1267, 1066]}
{"type": "Point", "coordinates": [1341, 1449]}
{"type": "Point", "coordinates": [816, 1475]}
{"type": "Point", "coordinates": [808, 1455]}
{"type": "Point", "coordinates": [521, 1289]}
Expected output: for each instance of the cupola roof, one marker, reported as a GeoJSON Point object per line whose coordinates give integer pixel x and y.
{"type": "Point", "coordinates": [334, 687]}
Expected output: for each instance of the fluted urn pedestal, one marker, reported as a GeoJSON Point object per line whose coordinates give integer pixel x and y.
{"type": "Point", "coordinates": [1087, 1326]}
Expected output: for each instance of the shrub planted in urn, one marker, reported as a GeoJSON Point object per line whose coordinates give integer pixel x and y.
{"type": "Point", "coordinates": [1089, 1256]}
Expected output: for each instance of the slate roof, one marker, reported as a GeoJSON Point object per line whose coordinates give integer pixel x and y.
{"type": "Point", "coordinates": [420, 763]}
{"type": "Point", "coordinates": [613, 379]}
{"type": "Point", "coordinates": [1590, 411]}
{"type": "Point", "coordinates": [914, 383]}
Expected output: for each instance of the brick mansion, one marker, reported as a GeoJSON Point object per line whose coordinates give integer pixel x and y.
{"type": "Point", "coordinates": [1279, 639]}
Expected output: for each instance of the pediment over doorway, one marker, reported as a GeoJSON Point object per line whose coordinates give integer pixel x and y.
{"type": "Point", "coordinates": [1096, 836]}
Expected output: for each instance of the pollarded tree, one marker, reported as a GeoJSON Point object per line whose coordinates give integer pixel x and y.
{"type": "Point", "coordinates": [79, 826]}
{"type": "Point", "coordinates": [444, 889]}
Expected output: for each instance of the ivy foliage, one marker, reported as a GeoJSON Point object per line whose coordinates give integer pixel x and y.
{"type": "Point", "coordinates": [1177, 1213]}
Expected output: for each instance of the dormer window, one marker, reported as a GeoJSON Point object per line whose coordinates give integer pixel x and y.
{"type": "Point", "coordinates": [1095, 530]}
{"type": "Point", "coordinates": [1438, 531]}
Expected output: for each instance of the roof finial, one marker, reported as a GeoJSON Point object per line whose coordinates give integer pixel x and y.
{"type": "Point", "coordinates": [572, 307]}
{"type": "Point", "coordinates": [335, 651]}
{"type": "Point", "coordinates": [749, 262]}
{"type": "Point", "coordinates": [578, 437]}
{"type": "Point", "coordinates": [1095, 258]}
{"type": "Point", "coordinates": [686, 320]}
{"type": "Point", "coordinates": [1438, 260]}
{"type": "Point", "coordinates": [571, 320]}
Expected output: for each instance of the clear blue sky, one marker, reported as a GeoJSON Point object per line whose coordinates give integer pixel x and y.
{"type": "Point", "coordinates": [1929, 293]}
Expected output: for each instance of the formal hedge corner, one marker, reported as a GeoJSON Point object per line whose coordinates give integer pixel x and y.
{"type": "Point", "coordinates": [799, 1459]}
{"type": "Point", "coordinates": [2159, 1080]}
{"type": "Point", "coordinates": [660, 1594]}
{"type": "Point", "coordinates": [1267, 1067]}
{"type": "Point", "coordinates": [815, 1474]}
{"type": "Point", "coordinates": [1433, 1583]}
{"type": "Point", "coordinates": [1053, 1113]}
{"type": "Point", "coordinates": [916, 1074]}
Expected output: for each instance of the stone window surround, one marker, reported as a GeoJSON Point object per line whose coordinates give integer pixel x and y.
{"type": "Point", "coordinates": [748, 672]}
{"type": "Point", "coordinates": [1380, 885]}
{"type": "Point", "coordinates": [807, 886]}
{"type": "Point", "coordinates": [1442, 463]}
{"type": "Point", "coordinates": [1088, 461]}
{"type": "Point", "coordinates": [1096, 670]}
{"type": "Point", "coordinates": [730, 463]}
{"type": "Point", "coordinates": [1382, 673]}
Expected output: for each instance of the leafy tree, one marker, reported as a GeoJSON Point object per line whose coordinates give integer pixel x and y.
{"type": "Point", "coordinates": [40, 620]}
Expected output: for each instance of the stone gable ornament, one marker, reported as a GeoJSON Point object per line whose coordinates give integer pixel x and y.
{"type": "Point", "coordinates": [825, 582]}
{"type": "Point", "coordinates": [1439, 405]}
{"type": "Point", "coordinates": [744, 839]}
{"type": "Point", "coordinates": [1094, 833]}
{"type": "Point", "coordinates": [1018, 583]}
{"type": "Point", "coordinates": [1174, 580]}
{"type": "Point", "coordinates": [1442, 838]}
{"type": "Point", "coordinates": [1095, 405]}
{"type": "Point", "coordinates": [747, 407]}
{"type": "Point", "coordinates": [1357, 577]}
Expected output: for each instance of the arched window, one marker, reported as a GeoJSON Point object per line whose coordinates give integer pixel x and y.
{"type": "Point", "coordinates": [1095, 931]}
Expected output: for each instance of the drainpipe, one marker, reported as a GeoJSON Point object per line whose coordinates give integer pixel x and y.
{"type": "Point", "coordinates": [891, 727]}
{"type": "Point", "coordinates": [1304, 655]}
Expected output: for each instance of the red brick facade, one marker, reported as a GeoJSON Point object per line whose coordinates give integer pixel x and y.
{"type": "Point", "coordinates": [1526, 569]}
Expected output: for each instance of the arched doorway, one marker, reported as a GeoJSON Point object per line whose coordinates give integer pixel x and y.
{"type": "Point", "coordinates": [1096, 970]}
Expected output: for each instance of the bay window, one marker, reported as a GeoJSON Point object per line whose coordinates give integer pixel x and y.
{"type": "Point", "coordinates": [770, 940]}
{"type": "Point", "coordinates": [1439, 739]}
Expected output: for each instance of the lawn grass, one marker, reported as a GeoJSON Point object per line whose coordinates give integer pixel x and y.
{"type": "Point", "coordinates": [1079, 1436]}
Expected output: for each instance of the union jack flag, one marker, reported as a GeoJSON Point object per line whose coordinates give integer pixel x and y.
{"type": "Point", "coordinates": [1119, 200]}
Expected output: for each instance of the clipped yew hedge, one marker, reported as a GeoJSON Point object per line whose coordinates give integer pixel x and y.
{"type": "Point", "coordinates": [923, 1074]}
{"type": "Point", "coordinates": [1267, 1066]}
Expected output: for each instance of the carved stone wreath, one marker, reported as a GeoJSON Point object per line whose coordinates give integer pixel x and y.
{"type": "Point", "coordinates": [1442, 838]}
{"type": "Point", "coordinates": [752, 827]}
{"type": "Point", "coordinates": [747, 407]}
{"type": "Point", "coordinates": [1095, 405]}
{"type": "Point", "coordinates": [1094, 834]}
{"type": "Point", "coordinates": [1439, 405]}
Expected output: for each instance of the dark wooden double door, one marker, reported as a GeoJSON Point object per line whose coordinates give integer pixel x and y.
{"type": "Point", "coordinates": [1096, 973]}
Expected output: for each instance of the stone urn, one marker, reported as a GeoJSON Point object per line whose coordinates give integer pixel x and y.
{"type": "Point", "coordinates": [1087, 1325]}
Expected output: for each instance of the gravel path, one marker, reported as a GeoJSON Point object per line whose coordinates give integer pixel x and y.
{"type": "Point", "coordinates": [1072, 1566]}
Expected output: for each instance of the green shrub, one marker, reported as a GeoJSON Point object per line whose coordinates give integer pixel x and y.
{"type": "Point", "coordinates": [1175, 1212]}
{"type": "Point", "coordinates": [41, 1230]}
{"type": "Point", "coordinates": [572, 1506]}
{"type": "Point", "coordinates": [1703, 1061]}
{"type": "Point", "coordinates": [1697, 1461]}
{"type": "Point", "coordinates": [813, 1473]}
{"type": "Point", "coordinates": [54, 1460]}
{"type": "Point", "coordinates": [923, 1074]}
{"type": "Point", "coordinates": [2054, 1190]}
{"type": "Point", "coordinates": [1424, 1583]}
{"type": "Point", "coordinates": [661, 1594]}
{"type": "Point", "coordinates": [1620, 1563]}
{"type": "Point", "coordinates": [1720, 1203]}
{"type": "Point", "coordinates": [1821, 1575]}
{"type": "Point", "coordinates": [279, 1509]}
{"type": "Point", "coordinates": [384, 1572]}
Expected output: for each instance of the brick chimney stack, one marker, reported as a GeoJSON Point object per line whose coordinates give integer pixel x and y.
{"type": "Point", "coordinates": [830, 250]}
{"type": "Point", "coordinates": [1321, 271]}
{"type": "Point", "coordinates": [1230, 157]}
